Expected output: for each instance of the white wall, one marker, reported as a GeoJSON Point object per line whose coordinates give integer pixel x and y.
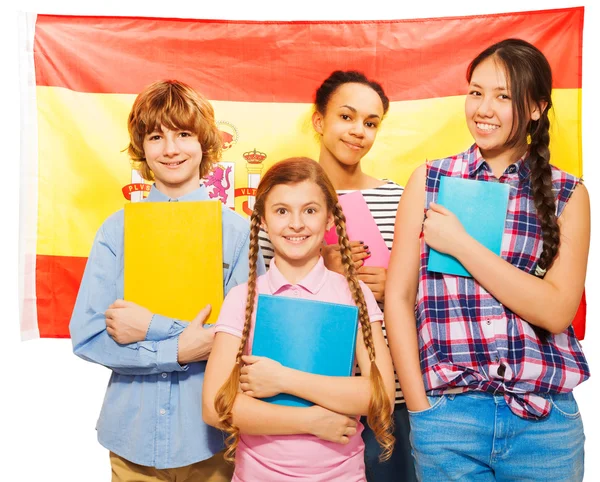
{"type": "Point", "coordinates": [50, 399]}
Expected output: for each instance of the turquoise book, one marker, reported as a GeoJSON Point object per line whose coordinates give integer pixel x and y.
{"type": "Point", "coordinates": [481, 207]}
{"type": "Point", "coordinates": [307, 335]}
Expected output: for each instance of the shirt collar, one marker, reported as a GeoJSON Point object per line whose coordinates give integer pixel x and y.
{"type": "Point", "coordinates": [200, 194]}
{"type": "Point", "coordinates": [475, 162]}
{"type": "Point", "coordinates": [312, 282]}
{"type": "Point", "coordinates": [523, 168]}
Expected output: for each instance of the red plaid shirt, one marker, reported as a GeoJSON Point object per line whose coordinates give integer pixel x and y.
{"type": "Point", "coordinates": [468, 340]}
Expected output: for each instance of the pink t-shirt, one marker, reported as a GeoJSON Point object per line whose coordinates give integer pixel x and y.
{"type": "Point", "coordinates": [280, 458]}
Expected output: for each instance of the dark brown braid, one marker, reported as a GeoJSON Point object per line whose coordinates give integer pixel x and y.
{"type": "Point", "coordinates": [530, 80]}
{"type": "Point", "coordinates": [227, 393]}
{"type": "Point", "coordinates": [541, 189]}
{"type": "Point", "coordinates": [543, 199]}
{"type": "Point", "coordinates": [380, 408]}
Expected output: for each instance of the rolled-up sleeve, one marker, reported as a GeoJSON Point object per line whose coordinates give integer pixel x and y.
{"type": "Point", "coordinates": [162, 327]}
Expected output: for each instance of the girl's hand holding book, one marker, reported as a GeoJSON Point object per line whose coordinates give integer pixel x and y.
{"type": "Point", "coordinates": [442, 230]}
{"type": "Point", "coordinates": [333, 259]}
{"type": "Point", "coordinates": [374, 277]}
{"type": "Point", "coordinates": [262, 377]}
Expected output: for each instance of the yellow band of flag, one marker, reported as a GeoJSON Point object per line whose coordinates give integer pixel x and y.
{"type": "Point", "coordinates": [412, 132]}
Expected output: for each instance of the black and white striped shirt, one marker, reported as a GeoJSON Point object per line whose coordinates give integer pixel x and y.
{"type": "Point", "coordinates": [383, 204]}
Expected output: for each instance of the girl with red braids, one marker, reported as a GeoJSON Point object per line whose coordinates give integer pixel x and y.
{"type": "Point", "coordinates": [296, 203]}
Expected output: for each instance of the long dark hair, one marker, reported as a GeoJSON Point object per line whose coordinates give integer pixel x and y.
{"type": "Point", "coordinates": [530, 79]}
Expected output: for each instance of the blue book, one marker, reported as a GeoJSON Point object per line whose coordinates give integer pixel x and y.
{"type": "Point", "coordinates": [311, 336]}
{"type": "Point", "coordinates": [481, 207]}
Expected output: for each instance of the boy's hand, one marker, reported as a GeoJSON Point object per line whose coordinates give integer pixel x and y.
{"type": "Point", "coordinates": [127, 322]}
{"type": "Point", "coordinates": [262, 377]}
{"type": "Point", "coordinates": [195, 341]}
{"type": "Point", "coordinates": [374, 277]}
{"type": "Point", "coordinates": [331, 426]}
{"type": "Point", "coordinates": [333, 259]}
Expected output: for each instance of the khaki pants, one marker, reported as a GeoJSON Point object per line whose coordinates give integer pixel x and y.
{"type": "Point", "coordinates": [214, 469]}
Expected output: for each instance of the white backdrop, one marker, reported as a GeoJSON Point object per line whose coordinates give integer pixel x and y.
{"type": "Point", "coordinates": [50, 399]}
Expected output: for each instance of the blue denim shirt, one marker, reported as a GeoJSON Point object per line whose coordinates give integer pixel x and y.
{"type": "Point", "coordinates": [152, 411]}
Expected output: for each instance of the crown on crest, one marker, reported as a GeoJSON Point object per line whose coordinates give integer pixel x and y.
{"type": "Point", "coordinates": [229, 134]}
{"type": "Point", "coordinates": [254, 157]}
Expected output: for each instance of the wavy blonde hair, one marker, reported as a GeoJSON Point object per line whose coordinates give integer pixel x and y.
{"type": "Point", "coordinates": [174, 105]}
{"type": "Point", "coordinates": [293, 171]}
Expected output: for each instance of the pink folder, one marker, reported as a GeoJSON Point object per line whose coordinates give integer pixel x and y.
{"type": "Point", "coordinates": [361, 226]}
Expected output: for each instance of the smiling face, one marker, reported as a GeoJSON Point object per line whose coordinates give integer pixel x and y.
{"type": "Point", "coordinates": [174, 156]}
{"type": "Point", "coordinates": [349, 125]}
{"type": "Point", "coordinates": [489, 111]}
{"type": "Point", "coordinates": [296, 218]}
{"type": "Point", "coordinates": [488, 107]}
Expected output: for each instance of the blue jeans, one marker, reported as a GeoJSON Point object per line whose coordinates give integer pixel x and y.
{"type": "Point", "coordinates": [475, 436]}
{"type": "Point", "coordinates": [400, 466]}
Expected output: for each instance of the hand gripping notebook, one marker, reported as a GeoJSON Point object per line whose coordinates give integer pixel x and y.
{"type": "Point", "coordinates": [481, 207]}
{"type": "Point", "coordinates": [311, 336]}
{"type": "Point", "coordinates": [361, 226]}
{"type": "Point", "coordinates": [174, 257]}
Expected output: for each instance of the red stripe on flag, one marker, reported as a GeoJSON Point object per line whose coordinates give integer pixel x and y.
{"type": "Point", "coordinates": [284, 61]}
{"type": "Point", "coordinates": [580, 316]}
{"type": "Point", "coordinates": [57, 283]}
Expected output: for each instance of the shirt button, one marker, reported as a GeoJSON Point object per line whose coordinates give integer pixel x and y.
{"type": "Point", "coordinates": [502, 370]}
{"type": "Point", "coordinates": [512, 169]}
{"type": "Point", "coordinates": [162, 411]}
{"type": "Point", "coordinates": [489, 322]}
{"type": "Point", "coordinates": [164, 375]}
{"type": "Point", "coordinates": [496, 358]}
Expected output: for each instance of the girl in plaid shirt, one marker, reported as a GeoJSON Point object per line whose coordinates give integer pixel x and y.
{"type": "Point", "coordinates": [488, 363]}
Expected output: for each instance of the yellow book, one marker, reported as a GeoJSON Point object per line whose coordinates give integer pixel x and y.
{"type": "Point", "coordinates": [174, 257]}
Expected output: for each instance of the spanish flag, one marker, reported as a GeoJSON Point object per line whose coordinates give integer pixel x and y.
{"type": "Point", "coordinates": [84, 73]}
